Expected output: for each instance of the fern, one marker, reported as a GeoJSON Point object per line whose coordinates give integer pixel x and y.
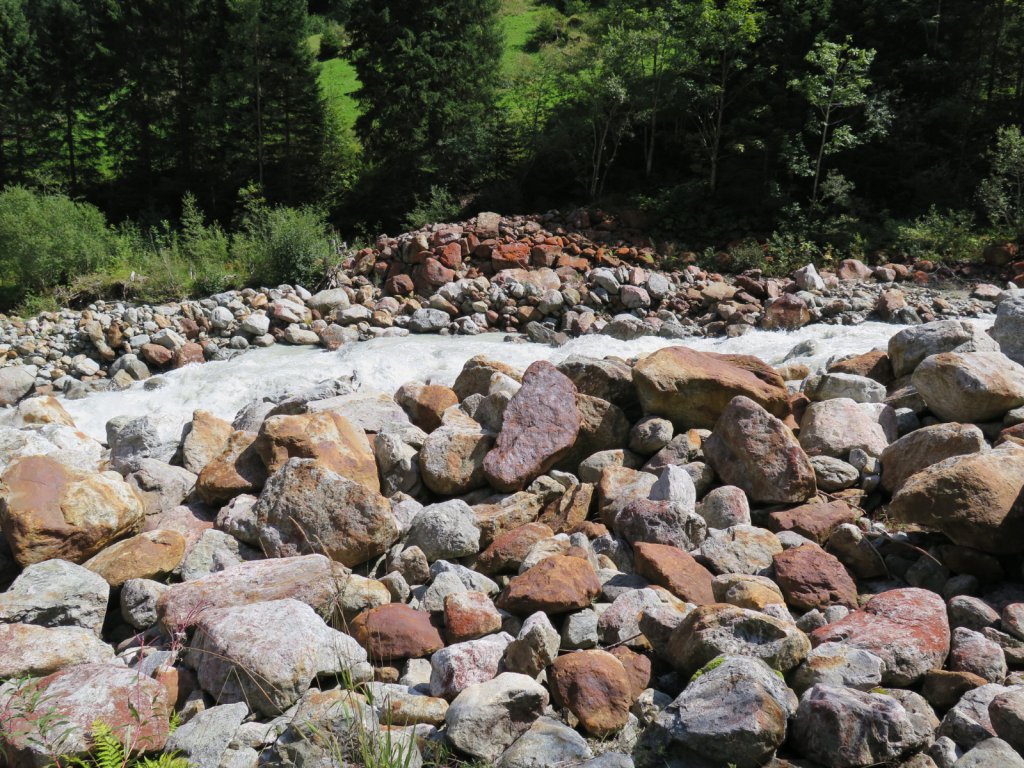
{"type": "Point", "coordinates": [108, 752]}
{"type": "Point", "coordinates": [165, 760]}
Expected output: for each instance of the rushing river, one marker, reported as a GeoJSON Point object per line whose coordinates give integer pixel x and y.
{"type": "Point", "coordinates": [385, 364]}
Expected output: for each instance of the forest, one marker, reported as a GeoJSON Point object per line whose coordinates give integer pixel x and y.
{"type": "Point", "coordinates": [212, 140]}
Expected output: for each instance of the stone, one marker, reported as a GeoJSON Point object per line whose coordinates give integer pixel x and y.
{"type": "Point", "coordinates": [724, 507]}
{"type": "Point", "coordinates": [311, 579]}
{"type": "Point", "coordinates": [237, 470]}
{"type": "Point", "coordinates": [56, 593]}
{"type": "Point", "coordinates": [161, 487]}
{"type": "Point", "coordinates": [557, 584]}
{"type": "Point", "coordinates": [834, 475]}
{"type": "Point", "coordinates": [812, 578]}
{"type": "Point", "coordinates": [844, 727]}
{"type": "Point", "coordinates": [661, 522]}
{"type": "Point", "coordinates": [968, 722]}
{"type": "Point", "coordinates": [746, 591]}
{"type": "Point", "coordinates": [970, 386]}
{"type": "Point", "coordinates": [1006, 713]}
{"type": "Point", "coordinates": [675, 570]}
{"type": "Point", "coordinates": [740, 549]}
{"type": "Point", "coordinates": [540, 427]}
{"type": "Point", "coordinates": [753, 450]}
{"type": "Point", "coordinates": [618, 487]}
{"type": "Point", "coordinates": [906, 628]}
{"type": "Point", "coordinates": [327, 437]}
{"type": "Point", "coordinates": [716, 630]}
{"type": "Point", "coordinates": [924, 447]}
{"type": "Point", "coordinates": [909, 347]}
{"type": "Point", "coordinates": [733, 712]}
{"type": "Point", "coordinates": [837, 427]}
{"type": "Point", "coordinates": [308, 508]}
{"type": "Point", "coordinates": [452, 459]}
{"type": "Point", "coordinates": [547, 742]}
{"type": "Point", "coordinates": [508, 550]}
{"type": "Point", "coordinates": [149, 555]}
{"type": "Point", "coordinates": [460, 665]}
{"type": "Point", "coordinates": [840, 666]}
{"type": "Point", "coordinates": [486, 718]}
{"type": "Point", "coordinates": [138, 602]}
{"type": "Point", "coordinates": [593, 685]}
{"type": "Point", "coordinates": [815, 521]}
{"type": "Point", "coordinates": [15, 383]}
{"type": "Point", "coordinates": [266, 654]}
{"type": "Point", "coordinates": [943, 689]}
{"type": "Point", "coordinates": [34, 651]}
{"type": "Point", "coordinates": [650, 435]}
{"type": "Point", "coordinates": [831, 386]}
{"type": "Point", "coordinates": [445, 531]}
{"type": "Point", "coordinates": [44, 409]}
{"type": "Point", "coordinates": [469, 615]}
{"type": "Point", "coordinates": [395, 632]}
{"type": "Point", "coordinates": [608, 379]}
{"type": "Point", "coordinates": [51, 511]}
{"type": "Point", "coordinates": [327, 301]}
{"type": "Point", "coordinates": [1008, 330]}
{"type": "Point", "coordinates": [426, 403]}
{"type": "Point", "coordinates": [991, 753]}
{"type": "Point", "coordinates": [146, 437]}
{"type": "Point", "coordinates": [475, 376]}
{"type": "Point", "coordinates": [206, 439]}
{"type": "Point", "coordinates": [972, 652]}
{"type": "Point", "coordinates": [974, 499]}
{"type": "Point", "coordinates": [874, 364]}
{"type": "Point", "coordinates": [204, 739]}
{"type": "Point", "coordinates": [135, 707]}
{"type": "Point", "coordinates": [693, 389]}
{"type": "Point", "coordinates": [603, 426]}
{"type": "Point", "coordinates": [535, 647]}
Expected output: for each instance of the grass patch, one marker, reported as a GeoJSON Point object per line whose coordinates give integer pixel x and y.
{"type": "Point", "coordinates": [519, 20]}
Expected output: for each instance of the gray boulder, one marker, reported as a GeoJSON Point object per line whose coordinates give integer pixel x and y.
{"type": "Point", "coordinates": [1008, 330]}
{"type": "Point", "coordinates": [912, 345]}
{"type": "Point", "coordinates": [486, 718]}
{"type": "Point", "coordinates": [56, 593]}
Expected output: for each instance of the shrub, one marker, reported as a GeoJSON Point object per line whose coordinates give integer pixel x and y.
{"type": "Point", "coordinates": [1002, 193]}
{"type": "Point", "coordinates": [440, 206]}
{"type": "Point", "coordinates": [47, 239]}
{"type": "Point", "coordinates": [938, 236]}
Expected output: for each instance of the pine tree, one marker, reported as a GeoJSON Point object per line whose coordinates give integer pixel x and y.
{"type": "Point", "coordinates": [429, 71]}
{"type": "Point", "coordinates": [16, 62]}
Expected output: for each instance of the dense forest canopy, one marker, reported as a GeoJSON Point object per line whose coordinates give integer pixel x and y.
{"type": "Point", "coordinates": [833, 121]}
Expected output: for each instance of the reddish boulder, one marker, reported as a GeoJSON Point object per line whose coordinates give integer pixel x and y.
{"type": "Point", "coordinates": [815, 521]}
{"type": "Point", "coordinates": [810, 578]}
{"type": "Point", "coordinates": [675, 570]}
{"type": "Point", "coordinates": [540, 427]}
{"type": "Point", "coordinates": [555, 585]}
{"type": "Point", "coordinates": [239, 469]}
{"type": "Point", "coordinates": [594, 686]}
{"type": "Point", "coordinates": [874, 365]}
{"type": "Point", "coordinates": [509, 549]}
{"type": "Point", "coordinates": [469, 615]}
{"type": "Point", "coordinates": [426, 403]}
{"type": "Point", "coordinates": [395, 632]}
{"type": "Point", "coordinates": [510, 256]}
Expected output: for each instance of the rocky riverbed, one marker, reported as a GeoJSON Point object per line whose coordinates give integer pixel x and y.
{"type": "Point", "coordinates": [640, 553]}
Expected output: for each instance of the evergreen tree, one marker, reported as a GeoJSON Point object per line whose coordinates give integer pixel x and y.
{"type": "Point", "coordinates": [16, 62]}
{"type": "Point", "coordinates": [429, 73]}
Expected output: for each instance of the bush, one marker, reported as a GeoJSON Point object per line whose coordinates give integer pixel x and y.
{"type": "Point", "coordinates": [439, 207]}
{"type": "Point", "coordinates": [47, 239]}
{"type": "Point", "coordinates": [1002, 193]}
{"type": "Point", "coordinates": [283, 245]}
{"type": "Point", "coordinates": [938, 236]}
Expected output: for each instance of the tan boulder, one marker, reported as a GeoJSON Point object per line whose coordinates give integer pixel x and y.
{"type": "Point", "coordinates": [977, 500]}
{"type": "Point", "coordinates": [475, 377]}
{"type": "Point", "coordinates": [43, 410]}
{"type": "Point", "coordinates": [924, 447]}
{"type": "Point", "coordinates": [51, 511]}
{"type": "Point", "coordinates": [425, 403]}
{"type": "Point", "coordinates": [206, 440]}
{"type": "Point", "coordinates": [693, 389]}
{"type": "Point", "coordinates": [970, 386]}
{"type": "Point", "coordinates": [149, 555]}
{"type": "Point", "coordinates": [327, 437]}
{"type": "Point", "coordinates": [237, 470]}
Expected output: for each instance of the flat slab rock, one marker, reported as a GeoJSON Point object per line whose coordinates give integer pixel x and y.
{"type": "Point", "coordinates": [906, 628]}
{"type": "Point", "coordinates": [540, 427]}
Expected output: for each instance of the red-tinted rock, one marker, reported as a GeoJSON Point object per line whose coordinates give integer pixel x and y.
{"type": "Point", "coordinates": [399, 285]}
{"type": "Point", "coordinates": [555, 585]}
{"type": "Point", "coordinates": [906, 628]}
{"type": "Point", "coordinates": [594, 686]}
{"type": "Point", "coordinates": [541, 424]}
{"type": "Point", "coordinates": [786, 313]}
{"type": "Point", "coordinates": [510, 256]}
{"type": "Point", "coordinates": [815, 521]}
{"type": "Point", "coordinates": [509, 549]}
{"type": "Point", "coordinates": [188, 354]}
{"type": "Point", "coordinates": [156, 355]}
{"type": "Point", "coordinates": [874, 365]}
{"type": "Point", "coordinates": [812, 578]}
{"type": "Point", "coordinates": [426, 403]}
{"type": "Point", "coordinates": [394, 632]}
{"type": "Point", "coordinates": [239, 469]}
{"type": "Point", "coordinates": [431, 274]}
{"type": "Point", "coordinates": [852, 269]}
{"type": "Point", "coordinates": [637, 666]}
{"type": "Point", "coordinates": [469, 615]}
{"type": "Point", "coordinates": [675, 570]}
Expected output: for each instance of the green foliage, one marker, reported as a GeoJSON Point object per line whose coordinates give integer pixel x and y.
{"type": "Point", "coordinates": [949, 236]}
{"type": "Point", "coordinates": [45, 239]}
{"type": "Point", "coordinates": [439, 206]}
{"type": "Point", "coordinates": [109, 752]}
{"type": "Point", "coordinates": [1002, 192]}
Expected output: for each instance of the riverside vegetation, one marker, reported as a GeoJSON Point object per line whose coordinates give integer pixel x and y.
{"type": "Point", "coordinates": [682, 559]}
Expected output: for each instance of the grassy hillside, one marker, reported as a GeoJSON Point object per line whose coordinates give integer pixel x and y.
{"type": "Point", "coordinates": [519, 19]}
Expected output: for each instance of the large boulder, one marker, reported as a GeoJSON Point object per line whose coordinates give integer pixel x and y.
{"type": "Point", "coordinates": [593, 685]}
{"type": "Point", "coordinates": [753, 450]}
{"type": "Point", "coordinates": [812, 578]}
{"type": "Point", "coordinates": [847, 728]}
{"type": "Point", "coordinates": [487, 717]}
{"type": "Point", "coordinates": [452, 459]}
{"type": "Point", "coordinates": [540, 427]}
{"type": "Point", "coordinates": [675, 570]}
{"type": "Point", "coordinates": [312, 579]}
{"type": "Point", "coordinates": [56, 593]}
{"type": "Point", "coordinates": [970, 386]}
{"type": "Point", "coordinates": [154, 436]}
{"type": "Point", "coordinates": [206, 438]}
{"type": "Point", "coordinates": [555, 585]}
{"type": "Point", "coordinates": [445, 531]}
{"type": "Point", "coordinates": [267, 654]}
{"type": "Point", "coordinates": [924, 447]}
{"type": "Point", "coordinates": [51, 511]}
{"type": "Point", "coordinates": [32, 651]}
{"type": "Point", "coordinates": [148, 555]}
{"type": "Point", "coordinates": [135, 707]}
{"type": "Point", "coordinates": [1008, 330]}
{"type": "Point", "coordinates": [906, 628]}
{"type": "Point", "coordinates": [475, 376]}
{"type": "Point", "coordinates": [395, 632]}
{"type": "Point", "coordinates": [836, 427]}
{"type": "Point", "coordinates": [975, 499]}
{"type": "Point", "coordinates": [306, 507]}
{"type": "Point", "coordinates": [912, 345]}
{"type": "Point", "coordinates": [733, 712]}
{"type": "Point", "coordinates": [236, 470]}
{"type": "Point", "coordinates": [693, 389]}
{"type": "Point", "coordinates": [327, 437]}
{"type": "Point", "coordinates": [15, 382]}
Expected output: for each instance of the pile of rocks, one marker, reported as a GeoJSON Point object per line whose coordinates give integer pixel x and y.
{"type": "Point", "coordinates": [688, 559]}
{"type": "Point", "coordinates": [547, 277]}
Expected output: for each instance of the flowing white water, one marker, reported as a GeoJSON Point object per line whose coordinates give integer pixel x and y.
{"type": "Point", "coordinates": [385, 364]}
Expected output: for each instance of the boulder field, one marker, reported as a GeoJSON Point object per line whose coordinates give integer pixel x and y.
{"type": "Point", "coordinates": [687, 559]}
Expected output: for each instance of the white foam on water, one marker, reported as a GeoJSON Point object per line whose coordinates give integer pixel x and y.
{"type": "Point", "coordinates": [383, 365]}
